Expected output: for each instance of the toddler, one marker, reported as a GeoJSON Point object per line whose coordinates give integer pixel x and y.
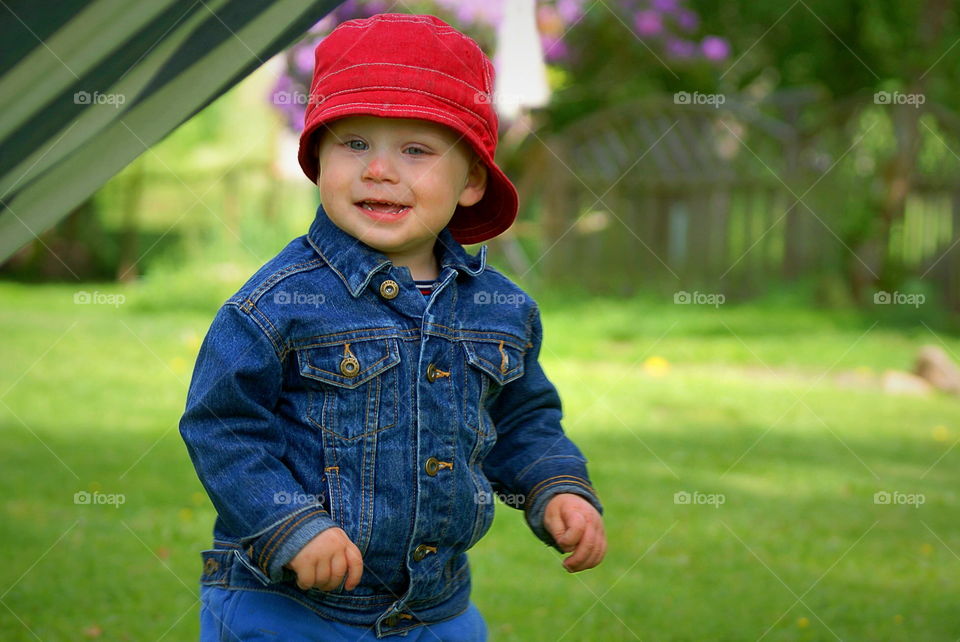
{"type": "Point", "coordinates": [357, 406]}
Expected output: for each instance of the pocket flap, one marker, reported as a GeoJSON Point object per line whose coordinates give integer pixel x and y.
{"type": "Point", "coordinates": [349, 364]}
{"type": "Point", "coordinates": [499, 359]}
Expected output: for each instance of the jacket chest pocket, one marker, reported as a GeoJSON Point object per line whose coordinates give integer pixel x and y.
{"type": "Point", "coordinates": [352, 386]}
{"type": "Point", "coordinates": [489, 366]}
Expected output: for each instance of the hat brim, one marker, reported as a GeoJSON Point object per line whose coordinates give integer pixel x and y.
{"type": "Point", "coordinates": [489, 217]}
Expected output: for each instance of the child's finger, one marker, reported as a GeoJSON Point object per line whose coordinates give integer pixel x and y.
{"type": "Point", "coordinates": [600, 545]}
{"type": "Point", "coordinates": [599, 550]}
{"type": "Point", "coordinates": [305, 576]}
{"type": "Point", "coordinates": [603, 544]}
{"type": "Point", "coordinates": [338, 568]}
{"type": "Point", "coordinates": [574, 526]}
{"type": "Point", "coordinates": [555, 527]}
{"type": "Point", "coordinates": [354, 568]}
{"type": "Point", "coordinates": [322, 573]}
{"type": "Point", "coordinates": [585, 548]}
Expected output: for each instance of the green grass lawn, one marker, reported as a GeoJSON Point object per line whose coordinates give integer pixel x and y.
{"type": "Point", "coordinates": [744, 404]}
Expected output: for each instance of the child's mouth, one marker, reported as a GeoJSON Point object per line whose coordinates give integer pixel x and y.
{"type": "Point", "coordinates": [383, 210]}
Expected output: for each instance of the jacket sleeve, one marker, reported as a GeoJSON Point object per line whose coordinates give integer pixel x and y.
{"type": "Point", "coordinates": [532, 457]}
{"type": "Point", "coordinates": [229, 431]}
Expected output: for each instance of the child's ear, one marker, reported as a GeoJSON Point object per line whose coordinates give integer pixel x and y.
{"type": "Point", "coordinates": [476, 184]}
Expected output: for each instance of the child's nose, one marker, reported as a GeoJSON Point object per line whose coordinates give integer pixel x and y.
{"type": "Point", "coordinates": [379, 168]}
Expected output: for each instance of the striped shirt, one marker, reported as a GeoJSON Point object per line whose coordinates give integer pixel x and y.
{"type": "Point", "coordinates": [425, 287]}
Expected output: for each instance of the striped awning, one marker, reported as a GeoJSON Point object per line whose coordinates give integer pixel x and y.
{"type": "Point", "coordinates": [86, 86]}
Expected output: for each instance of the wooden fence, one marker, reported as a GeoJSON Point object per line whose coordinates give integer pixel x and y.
{"type": "Point", "coordinates": [665, 196]}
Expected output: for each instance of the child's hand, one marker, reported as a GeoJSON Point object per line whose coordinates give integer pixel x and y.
{"type": "Point", "coordinates": [576, 526]}
{"type": "Point", "coordinates": [326, 559]}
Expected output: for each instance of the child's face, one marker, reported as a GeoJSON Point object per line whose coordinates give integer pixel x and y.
{"type": "Point", "coordinates": [394, 183]}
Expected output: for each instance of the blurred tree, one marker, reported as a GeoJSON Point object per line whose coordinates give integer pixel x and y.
{"type": "Point", "coordinates": [860, 53]}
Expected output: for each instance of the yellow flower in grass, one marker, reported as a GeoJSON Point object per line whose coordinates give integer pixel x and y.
{"type": "Point", "coordinates": [803, 622]}
{"type": "Point", "coordinates": [656, 366]}
{"type": "Point", "coordinates": [940, 433]}
{"type": "Point", "coordinates": [178, 365]}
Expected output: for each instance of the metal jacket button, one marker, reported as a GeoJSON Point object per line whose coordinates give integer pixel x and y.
{"type": "Point", "coordinates": [349, 367]}
{"type": "Point", "coordinates": [432, 465]}
{"type": "Point", "coordinates": [422, 551]}
{"type": "Point", "coordinates": [434, 373]}
{"type": "Point", "coordinates": [389, 289]}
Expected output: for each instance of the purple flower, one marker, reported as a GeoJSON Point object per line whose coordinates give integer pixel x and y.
{"type": "Point", "coordinates": [554, 48]}
{"type": "Point", "coordinates": [284, 84]}
{"type": "Point", "coordinates": [474, 11]}
{"type": "Point", "coordinates": [687, 20]}
{"type": "Point", "coordinates": [570, 10]}
{"type": "Point", "coordinates": [286, 97]}
{"type": "Point", "coordinates": [648, 23]}
{"type": "Point", "coordinates": [303, 60]}
{"type": "Point", "coordinates": [347, 10]}
{"type": "Point", "coordinates": [681, 49]}
{"type": "Point", "coordinates": [715, 48]}
{"type": "Point", "coordinates": [666, 6]}
{"type": "Point", "coordinates": [378, 6]}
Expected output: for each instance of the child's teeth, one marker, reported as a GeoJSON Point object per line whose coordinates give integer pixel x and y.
{"type": "Point", "coordinates": [384, 207]}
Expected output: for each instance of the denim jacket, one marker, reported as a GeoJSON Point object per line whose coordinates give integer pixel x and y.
{"type": "Point", "coordinates": [330, 392]}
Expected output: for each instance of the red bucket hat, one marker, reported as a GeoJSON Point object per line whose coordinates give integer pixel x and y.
{"type": "Point", "coordinates": [398, 65]}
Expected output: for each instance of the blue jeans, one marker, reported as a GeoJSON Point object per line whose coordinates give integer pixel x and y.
{"type": "Point", "coordinates": [237, 615]}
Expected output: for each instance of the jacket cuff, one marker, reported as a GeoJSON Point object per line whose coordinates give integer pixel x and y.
{"type": "Point", "coordinates": [536, 507]}
{"type": "Point", "coordinates": [278, 545]}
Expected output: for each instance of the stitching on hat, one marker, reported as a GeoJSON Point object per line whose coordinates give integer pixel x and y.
{"type": "Point", "coordinates": [397, 64]}
{"type": "Point", "coordinates": [446, 31]}
{"type": "Point", "coordinates": [398, 18]}
{"type": "Point", "coordinates": [354, 90]}
{"type": "Point", "coordinates": [365, 24]}
{"type": "Point", "coordinates": [403, 107]}
{"type": "Point", "coordinates": [487, 65]}
{"type": "Point", "coordinates": [439, 30]}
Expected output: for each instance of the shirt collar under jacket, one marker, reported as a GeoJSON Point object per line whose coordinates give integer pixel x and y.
{"type": "Point", "coordinates": [356, 263]}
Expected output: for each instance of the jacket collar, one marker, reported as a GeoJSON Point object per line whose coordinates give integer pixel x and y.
{"type": "Point", "coordinates": [356, 263]}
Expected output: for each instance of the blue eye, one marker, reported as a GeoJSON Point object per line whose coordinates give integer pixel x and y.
{"type": "Point", "coordinates": [356, 145]}
{"type": "Point", "coordinates": [417, 151]}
